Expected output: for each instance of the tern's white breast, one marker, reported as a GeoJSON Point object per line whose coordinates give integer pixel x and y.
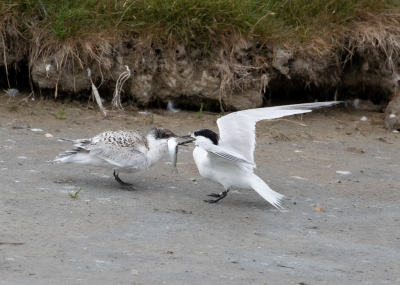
{"type": "Point", "coordinates": [225, 172]}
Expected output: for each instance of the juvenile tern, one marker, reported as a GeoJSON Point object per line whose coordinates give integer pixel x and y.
{"type": "Point", "coordinates": [121, 151]}
{"type": "Point", "coordinates": [229, 160]}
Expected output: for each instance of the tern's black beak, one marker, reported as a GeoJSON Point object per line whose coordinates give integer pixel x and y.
{"type": "Point", "coordinates": [185, 142]}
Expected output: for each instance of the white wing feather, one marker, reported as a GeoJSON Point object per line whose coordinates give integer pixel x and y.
{"type": "Point", "coordinates": [237, 130]}
{"type": "Point", "coordinates": [122, 157]}
{"type": "Point", "coordinates": [224, 152]}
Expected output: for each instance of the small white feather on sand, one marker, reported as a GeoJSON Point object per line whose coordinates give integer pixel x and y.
{"type": "Point", "coordinates": [344, 172]}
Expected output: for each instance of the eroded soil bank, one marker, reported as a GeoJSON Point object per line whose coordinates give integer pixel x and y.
{"type": "Point", "coordinates": [163, 233]}
{"type": "Point", "coordinates": [233, 71]}
{"type": "Point", "coordinates": [246, 76]}
{"type": "Point", "coordinates": [226, 55]}
{"type": "Point", "coordinates": [243, 74]}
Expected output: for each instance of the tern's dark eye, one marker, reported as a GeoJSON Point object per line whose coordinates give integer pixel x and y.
{"type": "Point", "coordinates": [164, 135]}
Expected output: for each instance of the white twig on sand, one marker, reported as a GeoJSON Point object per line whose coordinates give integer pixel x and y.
{"type": "Point", "coordinates": [96, 94]}
{"type": "Point", "coordinates": [116, 102]}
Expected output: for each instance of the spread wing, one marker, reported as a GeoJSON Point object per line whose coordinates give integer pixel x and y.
{"type": "Point", "coordinates": [237, 130]}
{"type": "Point", "coordinates": [224, 153]}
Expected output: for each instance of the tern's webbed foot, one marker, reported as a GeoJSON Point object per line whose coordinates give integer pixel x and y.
{"type": "Point", "coordinates": [127, 186]}
{"type": "Point", "coordinates": [219, 196]}
{"type": "Point", "coordinates": [214, 195]}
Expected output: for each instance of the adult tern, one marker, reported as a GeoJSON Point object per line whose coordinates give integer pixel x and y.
{"type": "Point", "coordinates": [229, 160]}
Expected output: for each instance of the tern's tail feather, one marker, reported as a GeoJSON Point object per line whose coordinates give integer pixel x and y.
{"type": "Point", "coordinates": [80, 143]}
{"type": "Point", "coordinates": [267, 193]}
{"type": "Point", "coordinates": [68, 140]}
{"type": "Point", "coordinates": [67, 155]}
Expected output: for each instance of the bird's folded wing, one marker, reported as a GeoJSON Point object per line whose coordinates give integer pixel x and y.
{"type": "Point", "coordinates": [237, 130]}
{"type": "Point", "coordinates": [120, 156]}
{"type": "Point", "coordinates": [224, 153]}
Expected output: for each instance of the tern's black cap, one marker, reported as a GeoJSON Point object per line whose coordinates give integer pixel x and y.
{"type": "Point", "coordinates": [207, 134]}
{"type": "Point", "coordinates": [160, 133]}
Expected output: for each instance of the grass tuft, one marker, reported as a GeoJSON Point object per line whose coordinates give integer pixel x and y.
{"type": "Point", "coordinates": [13, 108]}
{"type": "Point", "coordinates": [60, 29]}
{"type": "Point", "coordinates": [200, 113]}
{"type": "Point", "coordinates": [151, 119]}
{"type": "Point", "coordinates": [198, 23]}
{"type": "Point", "coordinates": [61, 115]}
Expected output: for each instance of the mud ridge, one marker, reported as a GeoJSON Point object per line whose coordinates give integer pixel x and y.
{"type": "Point", "coordinates": [240, 76]}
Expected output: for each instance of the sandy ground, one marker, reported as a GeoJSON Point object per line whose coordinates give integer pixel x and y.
{"type": "Point", "coordinates": [163, 233]}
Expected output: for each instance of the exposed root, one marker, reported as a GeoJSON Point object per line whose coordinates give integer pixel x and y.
{"type": "Point", "coordinates": [116, 102]}
{"type": "Point", "coordinates": [59, 74]}
{"type": "Point", "coordinates": [12, 46]}
{"type": "Point", "coordinates": [236, 78]}
{"type": "Point", "coordinates": [5, 59]}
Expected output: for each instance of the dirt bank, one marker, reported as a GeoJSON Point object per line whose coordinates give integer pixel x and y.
{"type": "Point", "coordinates": [244, 76]}
{"type": "Point", "coordinates": [232, 57]}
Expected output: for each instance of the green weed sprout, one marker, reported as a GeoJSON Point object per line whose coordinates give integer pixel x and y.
{"type": "Point", "coordinates": [151, 119]}
{"type": "Point", "coordinates": [61, 113]}
{"type": "Point", "coordinates": [76, 193]}
{"type": "Point", "coordinates": [13, 108]}
{"type": "Point", "coordinates": [200, 113]}
{"type": "Point", "coordinates": [59, 28]}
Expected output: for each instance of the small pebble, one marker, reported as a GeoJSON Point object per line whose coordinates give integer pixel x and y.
{"type": "Point", "coordinates": [319, 208]}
